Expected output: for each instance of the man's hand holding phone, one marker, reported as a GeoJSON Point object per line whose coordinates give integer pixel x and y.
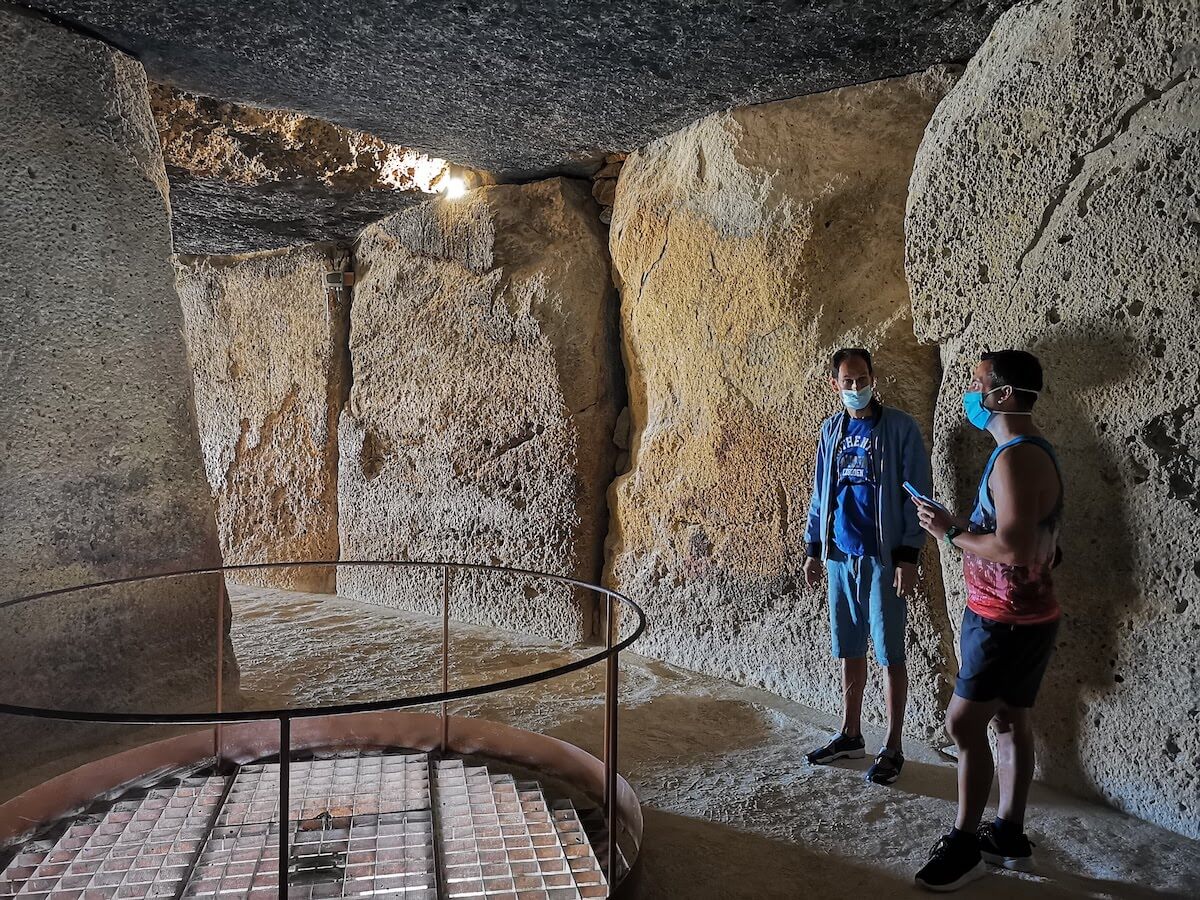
{"type": "Point", "coordinates": [934, 517]}
{"type": "Point", "coordinates": [920, 498]}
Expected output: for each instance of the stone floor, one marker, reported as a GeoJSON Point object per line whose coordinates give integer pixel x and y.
{"type": "Point", "coordinates": [732, 810]}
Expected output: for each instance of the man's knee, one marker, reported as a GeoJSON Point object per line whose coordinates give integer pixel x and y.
{"type": "Point", "coordinates": [854, 672]}
{"type": "Point", "coordinates": [964, 725]}
{"type": "Point", "coordinates": [1012, 723]}
{"type": "Point", "coordinates": [958, 726]}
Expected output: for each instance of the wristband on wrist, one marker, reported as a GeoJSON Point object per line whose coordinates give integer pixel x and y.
{"type": "Point", "coordinates": [951, 533]}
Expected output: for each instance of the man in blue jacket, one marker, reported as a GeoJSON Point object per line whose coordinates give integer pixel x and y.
{"type": "Point", "coordinates": [864, 528]}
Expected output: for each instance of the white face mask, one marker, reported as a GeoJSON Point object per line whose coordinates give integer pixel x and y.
{"type": "Point", "coordinates": [857, 400]}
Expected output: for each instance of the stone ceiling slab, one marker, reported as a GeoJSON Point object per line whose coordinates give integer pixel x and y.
{"type": "Point", "coordinates": [521, 89]}
{"type": "Point", "coordinates": [246, 179]}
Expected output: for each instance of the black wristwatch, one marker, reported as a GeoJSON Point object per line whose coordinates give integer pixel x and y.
{"type": "Point", "coordinates": [951, 533]}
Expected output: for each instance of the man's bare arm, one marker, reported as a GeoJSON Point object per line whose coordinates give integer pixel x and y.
{"type": "Point", "coordinates": [1016, 490]}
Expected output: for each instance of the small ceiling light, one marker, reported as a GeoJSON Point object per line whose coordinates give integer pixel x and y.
{"type": "Point", "coordinates": [455, 188]}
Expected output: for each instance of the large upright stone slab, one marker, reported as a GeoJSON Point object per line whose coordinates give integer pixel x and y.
{"type": "Point", "coordinates": [1054, 207]}
{"type": "Point", "coordinates": [267, 342]}
{"type": "Point", "coordinates": [486, 386]}
{"type": "Point", "coordinates": [748, 247]}
{"type": "Point", "coordinates": [100, 469]}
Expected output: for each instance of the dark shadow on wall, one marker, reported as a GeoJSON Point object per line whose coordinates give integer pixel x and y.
{"type": "Point", "coordinates": [1095, 582]}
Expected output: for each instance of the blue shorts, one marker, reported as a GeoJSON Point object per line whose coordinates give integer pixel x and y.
{"type": "Point", "coordinates": [862, 601]}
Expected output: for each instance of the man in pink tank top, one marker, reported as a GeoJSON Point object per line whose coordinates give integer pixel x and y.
{"type": "Point", "coordinates": [1009, 545]}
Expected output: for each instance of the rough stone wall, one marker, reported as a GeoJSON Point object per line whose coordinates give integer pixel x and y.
{"type": "Point", "coordinates": [245, 180]}
{"type": "Point", "coordinates": [747, 248]}
{"type": "Point", "coordinates": [486, 386]}
{"type": "Point", "coordinates": [1054, 207]}
{"type": "Point", "coordinates": [267, 343]}
{"type": "Point", "coordinates": [100, 469]}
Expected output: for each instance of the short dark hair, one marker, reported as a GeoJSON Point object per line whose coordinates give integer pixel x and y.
{"type": "Point", "coordinates": [846, 353]}
{"type": "Point", "coordinates": [1017, 369]}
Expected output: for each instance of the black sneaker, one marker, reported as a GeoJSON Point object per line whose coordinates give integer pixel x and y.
{"type": "Point", "coordinates": [841, 747]}
{"type": "Point", "coordinates": [1014, 853]}
{"type": "Point", "coordinates": [887, 766]}
{"type": "Point", "coordinates": [952, 864]}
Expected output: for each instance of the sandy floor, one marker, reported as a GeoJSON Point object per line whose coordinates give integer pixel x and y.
{"type": "Point", "coordinates": [732, 810]}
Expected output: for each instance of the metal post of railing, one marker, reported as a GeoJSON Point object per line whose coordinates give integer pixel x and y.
{"type": "Point", "coordinates": [285, 787]}
{"type": "Point", "coordinates": [610, 747]}
{"type": "Point", "coordinates": [445, 653]}
{"type": "Point", "coordinates": [608, 644]}
{"type": "Point", "coordinates": [220, 692]}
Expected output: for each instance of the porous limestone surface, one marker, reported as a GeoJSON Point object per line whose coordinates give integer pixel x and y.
{"type": "Point", "coordinates": [100, 468]}
{"type": "Point", "coordinates": [267, 343]}
{"type": "Point", "coordinates": [486, 387]}
{"type": "Point", "coordinates": [1053, 207]}
{"type": "Point", "coordinates": [747, 248]}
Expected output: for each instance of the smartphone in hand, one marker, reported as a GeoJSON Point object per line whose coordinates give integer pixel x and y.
{"type": "Point", "coordinates": [917, 495]}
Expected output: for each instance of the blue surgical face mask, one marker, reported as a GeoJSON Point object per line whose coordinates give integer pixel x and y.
{"type": "Point", "coordinates": [979, 415]}
{"type": "Point", "coordinates": [857, 400]}
{"type": "Point", "coordinates": [973, 407]}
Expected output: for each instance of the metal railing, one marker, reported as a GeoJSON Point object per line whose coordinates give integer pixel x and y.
{"type": "Point", "coordinates": [613, 644]}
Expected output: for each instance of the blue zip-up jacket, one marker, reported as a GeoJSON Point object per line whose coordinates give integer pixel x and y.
{"type": "Point", "coordinates": [899, 454]}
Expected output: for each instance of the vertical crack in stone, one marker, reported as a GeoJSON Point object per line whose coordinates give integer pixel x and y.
{"type": "Point", "coordinates": [341, 380]}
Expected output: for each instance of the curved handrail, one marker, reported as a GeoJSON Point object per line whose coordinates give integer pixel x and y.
{"type": "Point", "coordinates": [216, 718]}
{"type": "Point", "coordinates": [610, 655]}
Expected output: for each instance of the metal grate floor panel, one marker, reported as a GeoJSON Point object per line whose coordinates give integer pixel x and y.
{"type": "Point", "coordinates": [141, 846]}
{"type": "Point", "coordinates": [360, 824]}
{"type": "Point", "coordinates": [501, 840]}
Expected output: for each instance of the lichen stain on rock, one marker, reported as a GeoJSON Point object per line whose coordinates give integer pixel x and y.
{"type": "Point", "coordinates": [1068, 184]}
{"type": "Point", "coordinates": [373, 455]}
{"type": "Point", "coordinates": [747, 248]}
{"type": "Point", "coordinates": [1167, 436]}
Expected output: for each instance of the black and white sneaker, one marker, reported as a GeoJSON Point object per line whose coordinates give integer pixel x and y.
{"type": "Point", "coordinates": [1007, 851]}
{"type": "Point", "coordinates": [887, 767]}
{"type": "Point", "coordinates": [841, 747]}
{"type": "Point", "coordinates": [953, 862]}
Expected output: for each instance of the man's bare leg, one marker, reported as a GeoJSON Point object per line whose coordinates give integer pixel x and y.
{"type": "Point", "coordinates": [1014, 739]}
{"type": "Point", "coordinates": [897, 699]}
{"type": "Point", "coordinates": [958, 857]}
{"type": "Point", "coordinates": [854, 683]}
{"type": "Point", "coordinates": [967, 721]}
